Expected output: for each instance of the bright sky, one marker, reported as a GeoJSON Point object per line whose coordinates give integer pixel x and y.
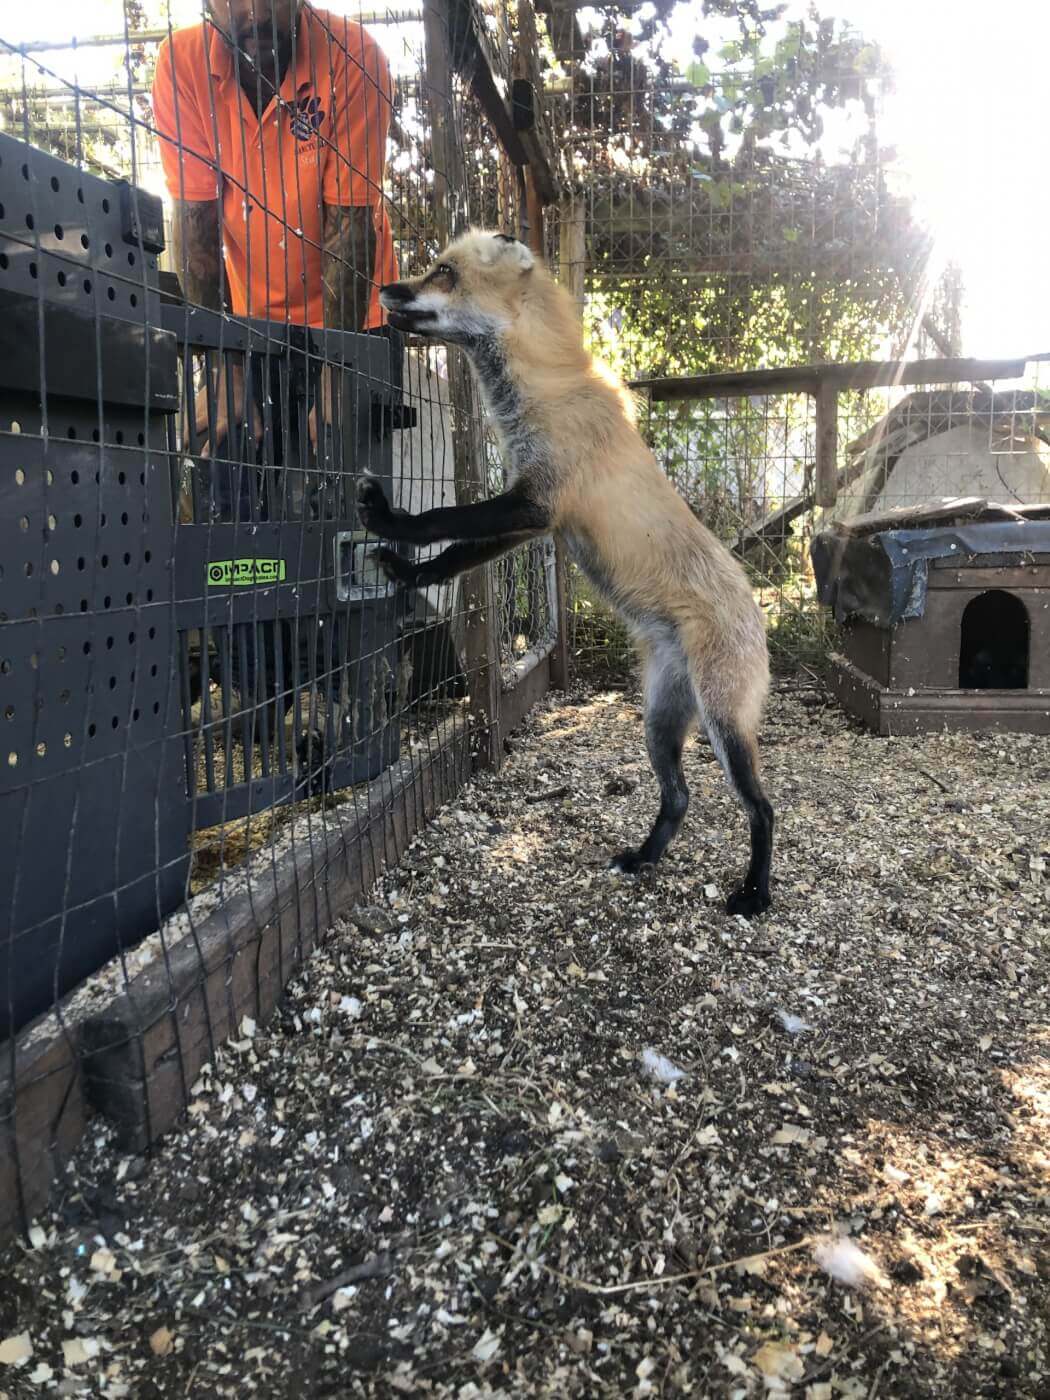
{"type": "Point", "coordinates": [970, 119]}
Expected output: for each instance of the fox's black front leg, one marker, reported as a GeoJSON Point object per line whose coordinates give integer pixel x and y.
{"type": "Point", "coordinates": [450, 562]}
{"type": "Point", "coordinates": [512, 513]}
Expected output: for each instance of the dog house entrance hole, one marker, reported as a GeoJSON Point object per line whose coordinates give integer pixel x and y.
{"type": "Point", "coordinates": [993, 650]}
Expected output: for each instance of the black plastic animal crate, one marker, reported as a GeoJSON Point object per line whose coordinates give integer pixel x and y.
{"type": "Point", "coordinates": [112, 750]}
{"type": "Point", "coordinates": [288, 640]}
{"type": "Point", "coordinates": [92, 803]}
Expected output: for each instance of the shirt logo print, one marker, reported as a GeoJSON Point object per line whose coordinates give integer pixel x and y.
{"type": "Point", "coordinates": [306, 119]}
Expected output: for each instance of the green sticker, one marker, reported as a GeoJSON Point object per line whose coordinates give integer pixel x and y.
{"type": "Point", "coordinates": [244, 573]}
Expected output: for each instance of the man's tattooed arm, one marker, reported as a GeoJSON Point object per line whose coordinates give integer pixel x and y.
{"type": "Point", "coordinates": [348, 266]}
{"type": "Point", "coordinates": [219, 403]}
{"type": "Point", "coordinates": [198, 251]}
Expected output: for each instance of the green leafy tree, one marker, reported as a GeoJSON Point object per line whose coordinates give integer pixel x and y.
{"type": "Point", "coordinates": [721, 235]}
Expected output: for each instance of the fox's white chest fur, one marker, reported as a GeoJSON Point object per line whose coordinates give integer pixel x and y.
{"type": "Point", "coordinates": [525, 448]}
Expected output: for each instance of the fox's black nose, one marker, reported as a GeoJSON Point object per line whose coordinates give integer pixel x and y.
{"type": "Point", "coordinates": [396, 291]}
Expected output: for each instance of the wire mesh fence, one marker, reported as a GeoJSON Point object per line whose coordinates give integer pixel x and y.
{"type": "Point", "coordinates": [750, 465]}
{"type": "Point", "coordinates": [733, 207]}
{"type": "Point", "coordinates": [220, 718]}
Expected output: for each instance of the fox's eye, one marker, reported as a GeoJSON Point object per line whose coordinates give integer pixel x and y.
{"type": "Point", "coordinates": [444, 270]}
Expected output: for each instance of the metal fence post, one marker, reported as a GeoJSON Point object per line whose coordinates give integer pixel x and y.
{"type": "Point", "coordinates": [481, 661]}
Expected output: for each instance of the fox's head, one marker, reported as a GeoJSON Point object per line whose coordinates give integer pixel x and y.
{"type": "Point", "coordinates": [475, 288]}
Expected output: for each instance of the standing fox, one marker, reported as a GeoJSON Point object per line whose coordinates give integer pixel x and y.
{"type": "Point", "coordinates": [577, 465]}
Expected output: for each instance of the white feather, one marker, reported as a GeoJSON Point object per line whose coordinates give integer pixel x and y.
{"type": "Point", "coordinates": [663, 1070]}
{"type": "Point", "coordinates": [794, 1025]}
{"type": "Point", "coordinates": [840, 1257]}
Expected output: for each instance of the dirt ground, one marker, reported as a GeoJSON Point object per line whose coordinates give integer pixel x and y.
{"type": "Point", "coordinates": [523, 1127]}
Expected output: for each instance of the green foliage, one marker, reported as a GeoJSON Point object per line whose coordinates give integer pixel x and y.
{"type": "Point", "coordinates": [719, 233]}
{"type": "Point", "coordinates": [602, 651]}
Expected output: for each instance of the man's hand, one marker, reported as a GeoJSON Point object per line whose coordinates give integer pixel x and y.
{"type": "Point", "coordinates": [227, 387]}
{"type": "Point", "coordinates": [327, 396]}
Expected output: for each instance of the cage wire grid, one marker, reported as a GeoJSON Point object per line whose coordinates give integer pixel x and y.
{"type": "Point", "coordinates": [704, 225]}
{"type": "Point", "coordinates": [205, 672]}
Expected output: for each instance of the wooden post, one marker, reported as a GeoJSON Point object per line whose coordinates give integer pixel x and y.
{"type": "Point", "coordinates": [481, 659]}
{"type": "Point", "coordinates": [533, 214]}
{"type": "Point", "coordinates": [573, 248]}
{"type": "Point", "coordinates": [444, 148]}
{"type": "Point", "coordinates": [827, 399]}
{"type": "Point", "coordinates": [540, 592]}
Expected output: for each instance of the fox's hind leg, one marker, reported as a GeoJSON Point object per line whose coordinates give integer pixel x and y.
{"type": "Point", "coordinates": [670, 711]}
{"type": "Point", "coordinates": [736, 752]}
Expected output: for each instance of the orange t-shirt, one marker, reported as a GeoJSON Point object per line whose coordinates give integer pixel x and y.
{"type": "Point", "coordinates": [322, 141]}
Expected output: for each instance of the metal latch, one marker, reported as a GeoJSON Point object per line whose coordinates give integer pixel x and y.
{"type": "Point", "coordinates": [357, 574]}
{"type": "Point", "coordinates": [390, 418]}
{"type": "Point", "coordinates": [141, 217]}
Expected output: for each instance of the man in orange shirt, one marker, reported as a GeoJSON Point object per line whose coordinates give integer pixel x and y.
{"type": "Point", "coordinates": [273, 118]}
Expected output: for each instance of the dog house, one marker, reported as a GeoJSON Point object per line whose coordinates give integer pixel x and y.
{"type": "Point", "coordinates": [945, 616]}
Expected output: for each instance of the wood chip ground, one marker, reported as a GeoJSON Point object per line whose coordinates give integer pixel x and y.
{"type": "Point", "coordinates": [535, 1130]}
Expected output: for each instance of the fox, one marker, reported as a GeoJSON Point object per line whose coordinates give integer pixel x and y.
{"type": "Point", "coordinates": [577, 466]}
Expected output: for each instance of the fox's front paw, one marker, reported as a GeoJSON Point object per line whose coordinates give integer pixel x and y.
{"type": "Point", "coordinates": [373, 508]}
{"type": "Point", "coordinates": [404, 572]}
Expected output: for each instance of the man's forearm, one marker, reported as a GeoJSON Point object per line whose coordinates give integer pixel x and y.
{"type": "Point", "coordinates": [198, 251]}
{"type": "Point", "coordinates": [348, 266]}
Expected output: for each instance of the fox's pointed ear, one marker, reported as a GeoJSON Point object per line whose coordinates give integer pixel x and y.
{"type": "Point", "coordinates": [513, 247]}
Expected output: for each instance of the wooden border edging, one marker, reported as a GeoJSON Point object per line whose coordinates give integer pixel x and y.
{"type": "Point", "coordinates": [142, 1054]}
{"type": "Point", "coordinates": [43, 1115]}
{"type": "Point", "coordinates": [532, 682]}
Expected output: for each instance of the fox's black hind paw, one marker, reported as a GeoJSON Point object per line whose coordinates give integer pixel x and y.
{"type": "Point", "coordinates": [750, 903]}
{"type": "Point", "coordinates": [630, 862]}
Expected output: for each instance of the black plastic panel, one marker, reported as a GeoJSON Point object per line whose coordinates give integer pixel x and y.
{"type": "Point", "coordinates": [176, 649]}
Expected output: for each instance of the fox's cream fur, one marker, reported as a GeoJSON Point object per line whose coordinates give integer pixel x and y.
{"type": "Point", "coordinates": [576, 464]}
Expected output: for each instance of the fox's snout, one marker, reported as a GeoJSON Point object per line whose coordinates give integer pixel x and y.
{"type": "Point", "coordinates": [396, 294]}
